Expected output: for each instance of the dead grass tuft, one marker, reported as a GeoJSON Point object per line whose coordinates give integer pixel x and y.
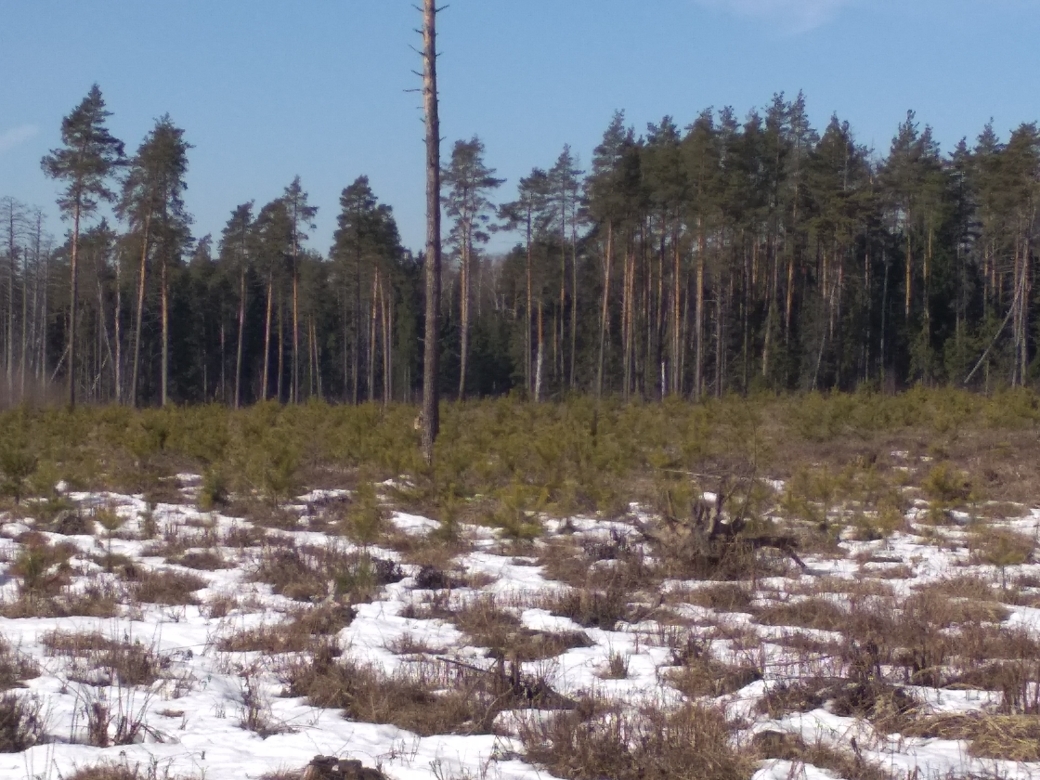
{"type": "Point", "coordinates": [594, 742]}
{"type": "Point", "coordinates": [173, 588]}
{"type": "Point", "coordinates": [312, 573]}
{"type": "Point", "coordinates": [722, 597]}
{"type": "Point", "coordinates": [204, 560]}
{"type": "Point", "coordinates": [432, 697]}
{"type": "Point", "coordinates": [14, 667]}
{"type": "Point", "coordinates": [1007, 737]}
{"type": "Point", "coordinates": [816, 612]}
{"type": "Point", "coordinates": [502, 632]}
{"type": "Point", "coordinates": [122, 661]}
{"type": "Point", "coordinates": [592, 608]}
{"type": "Point", "coordinates": [700, 673]}
{"type": "Point", "coordinates": [841, 763]}
{"type": "Point", "coordinates": [21, 722]}
{"type": "Point", "coordinates": [301, 633]}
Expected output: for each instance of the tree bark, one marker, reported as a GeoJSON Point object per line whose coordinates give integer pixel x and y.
{"type": "Point", "coordinates": [267, 339]}
{"type": "Point", "coordinates": [430, 421]}
{"type": "Point", "coordinates": [73, 296]}
{"type": "Point", "coordinates": [241, 334]}
{"type": "Point", "coordinates": [605, 310]}
{"type": "Point", "coordinates": [464, 294]}
{"type": "Point", "coordinates": [140, 308]}
{"type": "Point", "coordinates": [165, 294]}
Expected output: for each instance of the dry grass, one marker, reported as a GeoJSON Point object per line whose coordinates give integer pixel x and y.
{"type": "Point", "coordinates": [21, 722]}
{"type": "Point", "coordinates": [1008, 737]}
{"type": "Point", "coordinates": [489, 625]}
{"type": "Point", "coordinates": [311, 573]}
{"type": "Point", "coordinates": [14, 667]}
{"type": "Point", "coordinates": [721, 597]}
{"type": "Point", "coordinates": [841, 763]}
{"type": "Point", "coordinates": [699, 673]}
{"type": "Point", "coordinates": [123, 662]}
{"type": "Point", "coordinates": [792, 696]}
{"type": "Point", "coordinates": [204, 560]}
{"type": "Point", "coordinates": [819, 613]}
{"type": "Point", "coordinates": [164, 586]}
{"type": "Point", "coordinates": [301, 633]}
{"type": "Point", "coordinates": [120, 771]}
{"type": "Point", "coordinates": [99, 601]}
{"type": "Point", "coordinates": [594, 742]}
{"type": "Point", "coordinates": [428, 698]}
{"type": "Point", "coordinates": [592, 608]}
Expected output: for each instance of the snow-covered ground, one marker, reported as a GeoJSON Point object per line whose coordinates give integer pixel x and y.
{"type": "Point", "coordinates": [191, 715]}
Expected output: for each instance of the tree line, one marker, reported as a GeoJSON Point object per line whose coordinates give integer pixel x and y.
{"type": "Point", "coordinates": [726, 256]}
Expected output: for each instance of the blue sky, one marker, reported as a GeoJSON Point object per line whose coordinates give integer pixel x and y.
{"type": "Point", "coordinates": [266, 90]}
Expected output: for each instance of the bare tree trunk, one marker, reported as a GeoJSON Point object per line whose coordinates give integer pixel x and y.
{"type": "Point", "coordinates": [165, 293]}
{"type": "Point", "coordinates": [530, 312]}
{"type": "Point", "coordinates": [294, 391]}
{"type": "Point", "coordinates": [541, 354]}
{"type": "Point", "coordinates": [608, 261]}
{"type": "Point", "coordinates": [373, 302]}
{"type": "Point", "coordinates": [44, 382]}
{"type": "Point", "coordinates": [698, 313]}
{"type": "Point", "coordinates": [13, 270]}
{"type": "Point", "coordinates": [140, 307]}
{"type": "Point", "coordinates": [388, 347]}
{"type": "Point", "coordinates": [73, 299]}
{"type": "Point", "coordinates": [280, 381]}
{"type": "Point", "coordinates": [628, 329]}
{"type": "Point", "coordinates": [267, 339]}
{"type": "Point", "coordinates": [574, 288]}
{"type": "Point", "coordinates": [464, 311]}
{"type": "Point", "coordinates": [241, 334]}
{"type": "Point", "coordinates": [676, 314]}
{"type": "Point", "coordinates": [430, 420]}
{"type": "Point", "coordinates": [909, 268]}
{"type": "Point", "coordinates": [118, 328]}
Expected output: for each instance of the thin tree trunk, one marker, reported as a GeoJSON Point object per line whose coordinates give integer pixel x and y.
{"type": "Point", "coordinates": [698, 313]}
{"type": "Point", "coordinates": [73, 300]}
{"type": "Point", "coordinates": [530, 312]}
{"type": "Point", "coordinates": [541, 353]}
{"type": "Point", "coordinates": [13, 269]}
{"type": "Point", "coordinates": [574, 289]}
{"type": "Point", "coordinates": [604, 311]}
{"type": "Point", "coordinates": [165, 293]}
{"type": "Point", "coordinates": [241, 335]}
{"type": "Point", "coordinates": [140, 307]}
{"type": "Point", "coordinates": [430, 412]}
{"type": "Point", "coordinates": [280, 381]}
{"type": "Point", "coordinates": [267, 338]}
{"type": "Point", "coordinates": [464, 311]}
{"type": "Point", "coordinates": [294, 392]}
{"type": "Point", "coordinates": [676, 314]}
{"type": "Point", "coordinates": [373, 302]}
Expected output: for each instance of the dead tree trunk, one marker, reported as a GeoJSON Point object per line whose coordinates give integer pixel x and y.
{"type": "Point", "coordinates": [433, 231]}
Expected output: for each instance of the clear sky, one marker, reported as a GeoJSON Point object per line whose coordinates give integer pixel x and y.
{"type": "Point", "coordinates": [268, 89]}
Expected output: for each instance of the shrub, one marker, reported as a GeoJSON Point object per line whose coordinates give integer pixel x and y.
{"type": "Point", "coordinates": [17, 464]}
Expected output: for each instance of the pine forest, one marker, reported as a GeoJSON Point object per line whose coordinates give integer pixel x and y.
{"type": "Point", "coordinates": [728, 256]}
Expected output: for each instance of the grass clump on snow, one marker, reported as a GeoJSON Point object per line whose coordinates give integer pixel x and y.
{"type": "Point", "coordinates": [594, 741]}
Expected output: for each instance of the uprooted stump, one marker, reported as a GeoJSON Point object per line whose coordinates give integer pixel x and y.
{"type": "Point", "coordinates": [332, 768]}
{"type": "Point", "coordinates": [707, 544]}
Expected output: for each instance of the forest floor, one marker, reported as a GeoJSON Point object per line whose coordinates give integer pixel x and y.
{"type": "Point", "coordinates": [853, 627]}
